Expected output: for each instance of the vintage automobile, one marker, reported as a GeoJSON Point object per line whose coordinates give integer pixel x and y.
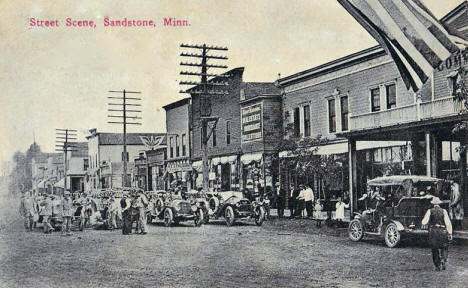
{"type": "Point", "coordinates": [397, 206]}
{"type": "Point", "coordinates": [232, 205]}
{"type": "Point", "coordinates": [173, 209]}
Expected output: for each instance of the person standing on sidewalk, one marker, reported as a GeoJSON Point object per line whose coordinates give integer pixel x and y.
{"type": "Point", "coordinates": [67, 213]}
{"type": "Point", "coordinates": [309, 201]}
{"type": "Point", "coordinates": [280, 200]}
{"type": "Point", "coordinates": [440, 233]}
{"type": "Point", "coordinates": [456, 208]}
{"type": "Point", "coordinates": [300, 201]}
{"type": "Point", "coordinates": [340, 207]}
{"type": "Point", "coordinates": [293, 193]}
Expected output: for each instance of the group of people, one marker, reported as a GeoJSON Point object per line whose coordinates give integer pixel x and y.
{"type": "Point", "coordinates": [302, 203]}
{"type": "Point", "coordinates": [102, 212]}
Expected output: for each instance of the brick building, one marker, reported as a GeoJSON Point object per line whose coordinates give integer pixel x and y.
{"type": "Point", "coordinates": [178, 163]}
{"type": "Point", "coordinates": [234, 144]}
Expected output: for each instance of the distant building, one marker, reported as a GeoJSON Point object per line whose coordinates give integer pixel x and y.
{"type": "Point", "coordinates": [105, 157]}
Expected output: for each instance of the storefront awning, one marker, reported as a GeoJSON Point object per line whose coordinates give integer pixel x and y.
{"type": "Point", "coordinates": [224, 160]}
{"type": "Point", "coordinates": [340, 148]}
{"type": "Point", "coordinates": [60, 184]}
{"type": "Point", "coordinates": [246, 159]}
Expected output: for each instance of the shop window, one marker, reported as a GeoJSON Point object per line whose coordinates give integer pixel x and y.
{"type": "Point", "coordinates": [184, 145]}
{"type": "Point", "coordinates": [331, 116]}
{"type": "Point", "coordinates": [344, 113]}
{"type": "Point", "coordinates": [375, 99]}
{"type": "Point", "coordinates": [306, 121]}
{"type": "Point", "coordinates": [391, 96]}
{"type": "Point", "coordinates": [228, 132]}
{"type": "Point", "coordinates": [297, 125]}
{"type": "Point", "coordinates": [171, 147]}
{"type": "Point", "coordinates": [177, 146]}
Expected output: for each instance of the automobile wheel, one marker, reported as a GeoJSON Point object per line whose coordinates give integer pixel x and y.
{"type": "Point", "coordinates": [259, 215]}
{"type": "Point", "coordinates": [168, 217]}
{"type": "Point", "coordinates": [158, 206]}
{"type": "Point", "coordinates": [213, 204]}
{"type": "Point", "coordinates": [229, 216]}
{"type": "Point", "coordinates": [392, 235]}
{"type": "Point", "coordinates": [81, 224]}
{"type": "Point", "coordinates": [200, 217]}
{"type": "Point", "coordinates": [355, 231]}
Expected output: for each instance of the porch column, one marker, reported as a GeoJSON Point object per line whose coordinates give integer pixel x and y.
{"type": "Point", "coordinates": [463, 186]}
{"type": "Point", "coordinates": [431, 154]}
{"type": "Point", "coordinates": [352, 175]}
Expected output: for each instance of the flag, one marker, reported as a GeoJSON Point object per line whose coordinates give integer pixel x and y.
{"type": "Point", "coordinates": [409, 32]}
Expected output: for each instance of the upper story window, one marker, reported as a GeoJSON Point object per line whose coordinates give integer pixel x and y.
{"type": "Point", "coordinates": [452, 84]}
{"type": "Point", "coordinates": [242, 94]}
{"type": "Point", "coordinates": [297, 123]}
{"type": "Point", "coordinates": [213, 136]}
{"type": "Point", "coordinates": [344, 113]}
{"type": "Point", "coordinates": [331, 116]}
{"type": "Point", "coordinates": [306, 121]}
{"type": "Point", "coordinates": [228, 132]}
{"type": "Point", "coordinates": [177, 143]}
{"type": "Point", "coordinates": [375, 99]}
{"type": "Point", "coordinates": [171, 147]}
{"type": "Point", "coordinates": [390, 91]}
{"type": "Point", "coordinates": [184, 145]}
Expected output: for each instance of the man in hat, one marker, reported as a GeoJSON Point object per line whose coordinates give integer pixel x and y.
{"type": "Point", "coordinates": [46, 213]}
{"type": "Point", "coordinates": [280, 200]}
{"type": "Point", "coordinates": [440, 232]}
{"type": "Point", "coordinates": [140, 204]}
{"type": "Point", "coordinates": [28, 210]}
{"type": "Point", "coordinates": [67, 213]}
{"type": "Point", "coordinates": [456, 208]}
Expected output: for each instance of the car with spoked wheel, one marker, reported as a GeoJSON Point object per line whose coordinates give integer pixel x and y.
{"type": "Point", "coordinates": [173, 209]}
{"type": "Point", "coordinates": [233, 206]}
{"type": "Point", "coordinates": [394, 207]}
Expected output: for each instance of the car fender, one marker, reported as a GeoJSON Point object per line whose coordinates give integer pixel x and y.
{"type": "Point", "coordinates": [398, 224]}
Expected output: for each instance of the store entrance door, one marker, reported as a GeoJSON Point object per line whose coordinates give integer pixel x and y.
{"type": "Point", "coordinates": [225, 177]}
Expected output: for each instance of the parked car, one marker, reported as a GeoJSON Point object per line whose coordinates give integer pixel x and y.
{"type": "Point", "coordinates": [395, 208]}
{"type": "Point", "coordinates": [233, 206]}
{"type": "Point", "coordinates": [173, 209]}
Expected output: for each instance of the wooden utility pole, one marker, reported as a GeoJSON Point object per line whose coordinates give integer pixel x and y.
{"type": "Point", "coordinates": [205, 88]}
{"type": "Point", "coordinates": [124, 116]}
{"type": "Point", "coordinates": [64, 142]}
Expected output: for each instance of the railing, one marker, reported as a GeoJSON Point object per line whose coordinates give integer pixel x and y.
{"type": "Point", "coordinates": [384, 118]}
{"type": "Point", "coordinates": [440, 108]}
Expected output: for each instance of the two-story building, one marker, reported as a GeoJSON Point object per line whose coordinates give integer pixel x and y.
{"type": "Point", "coordinates": [179, 143]}
{"type": "Point", "coordinates": [105, 157]}
{"type": "Point", "coordinates": [361, 105]}
{"type": "Point", "coordinates": [246, 115]}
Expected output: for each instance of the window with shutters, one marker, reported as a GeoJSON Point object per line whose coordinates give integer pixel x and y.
{"type": "Point", "coordinates": [306, 121]}
{"type": "Point", "coordinates": [375, 99]}
{"type": "Point", "coordinates": [228, 132]}
{"type": "Point", "coordinates": [331, 116]}
{"type": "Point", "coordinates": [184, 145]}
{"type": "Point", "coordinates": [344, 113]}
{"type": "Point", "coordinates": [390, 91]}
{"type": "Point", "coordinates": [297, 123]}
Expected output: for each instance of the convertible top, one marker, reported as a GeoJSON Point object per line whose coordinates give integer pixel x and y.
{"type": "Point", "coordinates": [399, 179]}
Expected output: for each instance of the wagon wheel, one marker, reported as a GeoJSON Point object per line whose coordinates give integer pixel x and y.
{"type": "Point", "coordinates": [392, 235]}
{"type": "Point", "coordinates": [355, 231]}
{"type": "Point", "coordinates": [229, 216]}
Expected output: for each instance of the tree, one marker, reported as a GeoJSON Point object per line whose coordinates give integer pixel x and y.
{"type": "Point", "coordinates": [21, 175]}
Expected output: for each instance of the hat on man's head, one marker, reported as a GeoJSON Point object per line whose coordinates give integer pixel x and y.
{"type": "Point", "coordinates": [436, 201]}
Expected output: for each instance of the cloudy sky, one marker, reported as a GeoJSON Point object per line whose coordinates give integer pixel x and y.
{"type": "Point", "coordinates": [59, 77]}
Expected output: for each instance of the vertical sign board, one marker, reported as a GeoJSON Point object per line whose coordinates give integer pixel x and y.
{"type": "Point", "coordinates": [252, 129]}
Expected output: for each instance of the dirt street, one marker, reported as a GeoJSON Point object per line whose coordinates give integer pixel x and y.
{"type": "Point", "coordinates": [282, 253]}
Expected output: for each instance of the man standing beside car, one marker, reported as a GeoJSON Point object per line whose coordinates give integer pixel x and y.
{"type": "Point", "coordinates": [67, 213]}
{"type": "Point", "coordinates": [46, 213]}
{"type": "Point", "coordinates": [140, 203]}
{"type": "Point", "coordinates": [440, 233]}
